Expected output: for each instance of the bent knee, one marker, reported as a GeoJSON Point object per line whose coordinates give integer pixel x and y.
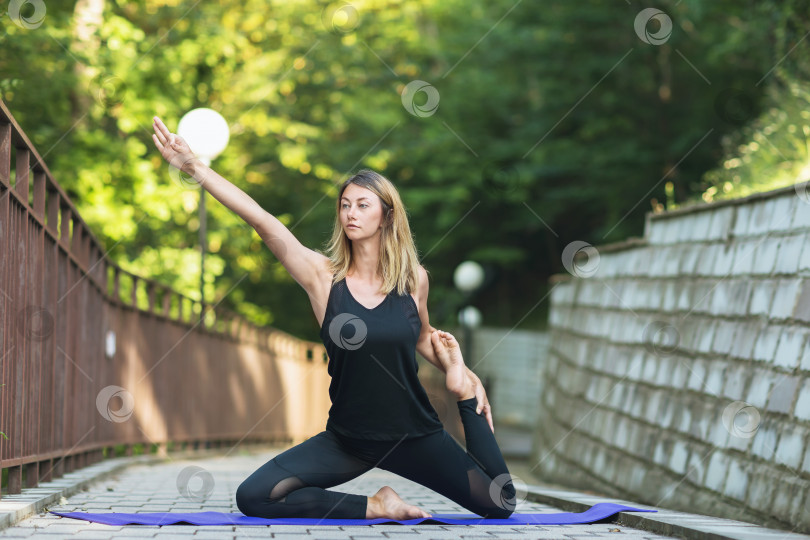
{"type": "Point", "coordinates": [248, 499]}
{"type": "Point", "coordinates": [507, 504]}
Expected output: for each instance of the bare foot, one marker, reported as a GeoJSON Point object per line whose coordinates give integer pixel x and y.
{"type": "Point", "coordinates": [386, 503]}
{"type": "Point", "coordinates": [449, 353]}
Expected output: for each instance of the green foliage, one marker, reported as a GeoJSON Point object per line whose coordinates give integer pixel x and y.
{"type": "Point", "coordinates": [771, 152]}
{"type": "Point", "coordinates": [555, 123]}
{"type": "Point", "coordinates": [771, 149]}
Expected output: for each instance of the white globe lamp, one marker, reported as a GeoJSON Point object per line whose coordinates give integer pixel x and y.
{"type": "Point", "coordinates": [206, 132]}
{"type": "Point", "coordinates": [468, 276]}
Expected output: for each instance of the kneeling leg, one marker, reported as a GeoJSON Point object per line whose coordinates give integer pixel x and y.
{"type": "Point", "coordinates": [293, 483]}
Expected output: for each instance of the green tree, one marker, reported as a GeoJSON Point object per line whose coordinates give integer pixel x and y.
{"type": "Point", "coordinates": [555, 122]}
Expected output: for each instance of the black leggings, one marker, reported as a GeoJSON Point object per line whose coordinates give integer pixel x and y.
{"type": "Point", "coordinates": [293, 483]}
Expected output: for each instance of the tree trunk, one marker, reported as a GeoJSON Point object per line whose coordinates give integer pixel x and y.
{"type": "Point", "coordinates": [87, 19]}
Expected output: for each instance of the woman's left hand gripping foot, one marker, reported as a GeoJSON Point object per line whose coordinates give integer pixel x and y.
{"type": "Point", "coordinates": [462, 382]}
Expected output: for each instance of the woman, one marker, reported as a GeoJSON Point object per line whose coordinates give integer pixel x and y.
{"type": "Point", "coordinates": [370, 299]}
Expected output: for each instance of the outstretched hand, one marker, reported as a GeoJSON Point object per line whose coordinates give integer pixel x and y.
{"type": "Point", "coordinates": [174, 149]}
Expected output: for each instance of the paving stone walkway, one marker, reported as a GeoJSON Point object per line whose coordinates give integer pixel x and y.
{"type": "Point", "coordinates": [190, 485]}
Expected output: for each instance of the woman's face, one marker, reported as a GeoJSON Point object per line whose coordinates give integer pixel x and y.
{"type": "Point", "coordinates": [360, 212]}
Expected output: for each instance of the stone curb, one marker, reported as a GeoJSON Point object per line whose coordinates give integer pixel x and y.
{"type": "Point", "coordinates": [665, 522]}
{"type": "Point", "coordinates": [17, 507]}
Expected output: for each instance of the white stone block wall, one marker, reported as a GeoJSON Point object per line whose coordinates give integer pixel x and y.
{"type": "Point", "coordinates": [512, 362]}
{"type": "Point", "coordinates": [678, 374]}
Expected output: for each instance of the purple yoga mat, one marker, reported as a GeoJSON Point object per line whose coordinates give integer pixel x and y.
{"type": "Point", "coordinates": [594, 513]}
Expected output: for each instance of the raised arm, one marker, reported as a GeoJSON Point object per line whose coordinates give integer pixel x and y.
{"type": "Point", "coordinates": [302, 263]}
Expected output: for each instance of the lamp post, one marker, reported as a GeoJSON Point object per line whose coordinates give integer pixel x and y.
{"type": "Point", "coordinates": [468, 277]}
{"type": "Point", "coordinates": [206, 133]}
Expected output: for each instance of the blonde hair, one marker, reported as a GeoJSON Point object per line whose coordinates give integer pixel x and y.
{"type": "Point", "coordinates": [398, 264]}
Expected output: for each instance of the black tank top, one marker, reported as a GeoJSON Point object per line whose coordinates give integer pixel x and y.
{"type": "Point", "coordinates": [374, 390]}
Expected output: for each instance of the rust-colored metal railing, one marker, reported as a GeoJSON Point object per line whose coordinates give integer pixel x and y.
{"type": "Point", "coordinates": [67, 399]}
